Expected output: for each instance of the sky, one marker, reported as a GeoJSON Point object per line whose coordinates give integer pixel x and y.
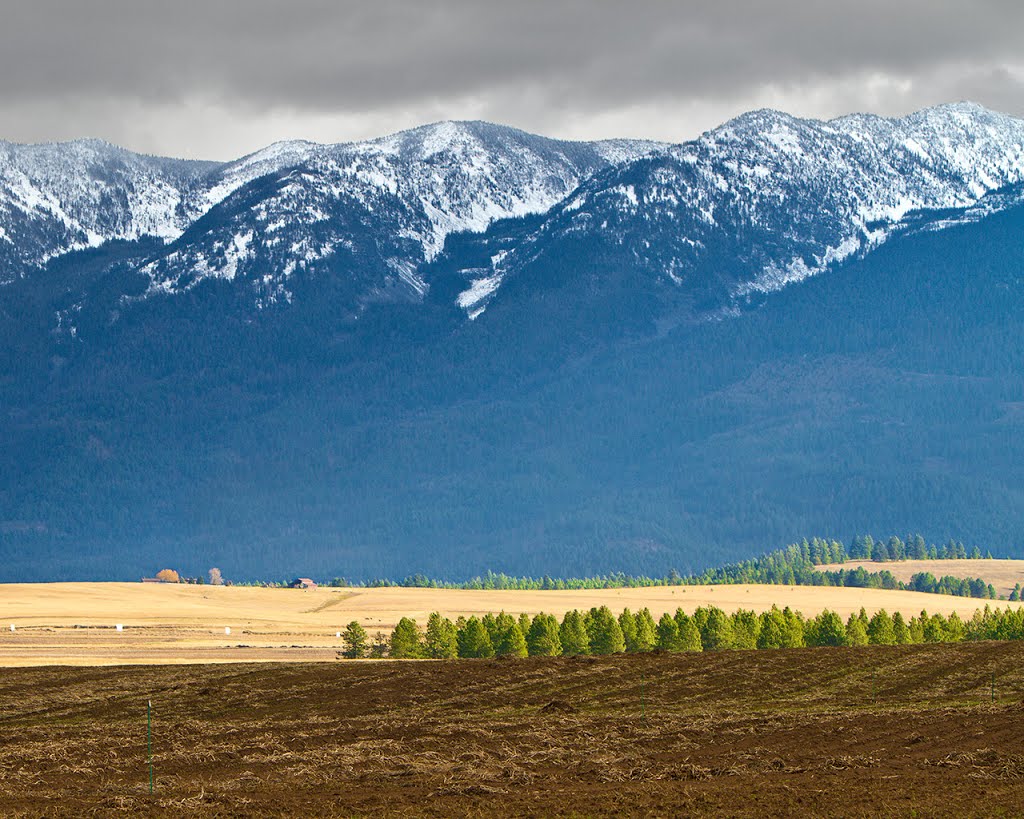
{"type": "Point", "coordinates": [216, 79]}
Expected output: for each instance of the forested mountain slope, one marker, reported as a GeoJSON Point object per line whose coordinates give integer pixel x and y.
{"type": "Point", "coordinates": [593, 404]}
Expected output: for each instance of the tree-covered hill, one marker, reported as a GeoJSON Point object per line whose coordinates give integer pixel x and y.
{"type": "Point", "coordinates": [591, 420]}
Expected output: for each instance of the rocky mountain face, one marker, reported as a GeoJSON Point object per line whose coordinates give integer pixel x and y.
{"type": "Point", "coordinates": [465, 347]}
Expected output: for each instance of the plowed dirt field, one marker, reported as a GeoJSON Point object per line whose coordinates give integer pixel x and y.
{"type": "Point", "coordinates": [866, 731]}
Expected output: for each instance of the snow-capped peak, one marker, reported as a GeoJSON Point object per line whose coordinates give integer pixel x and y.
{"type": "Point", "coordinates": [788, 196]}
{"type": "Point", "coordinates": [777, 198]}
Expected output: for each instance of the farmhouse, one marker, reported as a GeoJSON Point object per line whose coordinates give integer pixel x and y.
{"type": "Point", "coordinates": [302, 583]}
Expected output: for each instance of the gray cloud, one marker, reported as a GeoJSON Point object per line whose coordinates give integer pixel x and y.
{"type": "Point", "coordinates": [219, 77]}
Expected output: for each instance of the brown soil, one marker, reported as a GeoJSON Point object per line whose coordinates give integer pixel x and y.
{"type": "Point", "coordinates": [860, 732]}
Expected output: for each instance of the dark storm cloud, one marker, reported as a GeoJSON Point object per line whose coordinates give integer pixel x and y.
{"type": "Point", "coordinates": [560, 67]}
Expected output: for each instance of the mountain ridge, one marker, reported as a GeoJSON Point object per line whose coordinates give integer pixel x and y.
{"type": "Point", "coordinates": [491, 172]}
{"type": "Point", "coordinates": [666, 367]}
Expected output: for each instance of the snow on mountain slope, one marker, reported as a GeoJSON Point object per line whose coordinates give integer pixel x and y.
{"type": "Point", "coordinates": [430, 181]}
{"type": "Point", "coordinates": [762, 201]}
{"type": "Point", "coordinates": [380, 208]}
{"type": "Point", "coordinates": [466, 175]}
{"type": "Point", "coordinates": [768, 199]}
{"type": "Point", "coordinates": [66, 196]}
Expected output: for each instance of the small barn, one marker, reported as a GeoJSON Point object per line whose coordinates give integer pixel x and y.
{"type": "Point", "coordinates": [302, 583]}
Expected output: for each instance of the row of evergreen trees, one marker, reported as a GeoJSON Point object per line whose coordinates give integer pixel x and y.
{"type": "Point", "coordinates": [709, 628]}
{"type": "Point", "coordinates": [796, 565]}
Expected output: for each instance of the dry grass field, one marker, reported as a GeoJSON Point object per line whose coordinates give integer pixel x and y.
{"type": "Point", "coordinates": [873, 731]}
{"type": "Point", "coordinates": [1002, 574]}
{"type": "Point", "coordinates": [73, 623]}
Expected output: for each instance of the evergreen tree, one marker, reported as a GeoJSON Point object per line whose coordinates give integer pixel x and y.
{"type": "Point", "coordinates": [700, 618]}
{"type": "Point", "coordinates": [607, 634]}
{"type": "Point", "coordinates": [588, 622]}
{"type": "Point", "coordinates": [869, 547]}
{"type": "Point", "coordinates": [794, 636]}
{"type": "Point", "coordinates": [502, 623]}
{"type": "Point", "coordinates": [916, 628]}
{"type": "Point", "coordinates": [920, 549]}
{"type": "Point", "coordinates": [627, 622]}
{"type": "Point", "coordinates": [956, 630]}
{"type": "Point", "coordinates": [900, 631]}
{"type": "Point", "coordinates": [689, 635]}
{"type": "Point", "coordinates": [505, 640]}
{"type": "Point", "coordinates": [668, 633]}
{"type": "Point", "coordinates": [646, 630]}
{"type": "Point", "coordinates": [573, 634]}
{"type": "Point", "coordinates": [474, 641]}
{"type": "Point", "coordinates": [511, 642]}
{"type": "Point", "coordinates": [856, 633]}
{"type": "Point", "coordinates": [716, 634]}
{"type": "Point", "coordinates": [356, 641]}
{"type": "Point", "coordinates": [880, 629]}
{"type": "Point", "coordinates": [442, 638]}
{"type": "Point", "coordinates": [933, 628]}
{"type": "Point", "coordinates": [745, 629]}
{"type": "Point", "coordinates": [897, 550]}
{"type": "Point", "coordinates": [542, 639]}
{"type": "Point", "coordinates": [772, 633]}
{"type": "Point", "coordinates": [405, 640]}
{"type": "Point", "coordinates": [524, 623]}
{"type": "Point", "coordinates": [490, 622]}
{"type": "Point", "coordinates": [827, 629]}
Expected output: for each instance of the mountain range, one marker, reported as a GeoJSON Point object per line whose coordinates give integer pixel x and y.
{"type": "Point", "coordinates": [464, 347]}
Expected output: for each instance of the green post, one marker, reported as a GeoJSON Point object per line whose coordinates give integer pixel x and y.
{"type": "Point", "coordinates": [149, 740]}
{"type": "Point", "coordinates": [643, 704]}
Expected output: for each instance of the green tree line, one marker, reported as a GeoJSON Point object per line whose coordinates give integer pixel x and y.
{"type": "Point", "coordinates": [795, 565]}
{"type": "Point", "coordinates": [709, 628]}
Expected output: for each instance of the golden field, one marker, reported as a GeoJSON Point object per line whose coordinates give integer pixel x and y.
{"type": "Point", "coordinates": [73, 623]}
{"type": "Point", "coordinates": [1002, 574]}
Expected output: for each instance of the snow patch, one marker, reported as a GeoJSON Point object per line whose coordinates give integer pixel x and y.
{"type": "Point", "coordinates": [479, 289]}
{"type": "Point", "coordinates": [627, 191]}
{"type": "Point", "coordinates": [915, 148]}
